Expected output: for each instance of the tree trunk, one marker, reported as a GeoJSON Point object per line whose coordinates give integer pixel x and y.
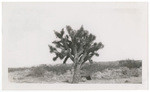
{"type": "Point", "coordinates": [76, 75]}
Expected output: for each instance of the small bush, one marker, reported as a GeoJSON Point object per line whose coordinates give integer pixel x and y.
{"type": "Point", "coordinates": [17, 69]}
{"type": "Point", "coordinates": [99, 66]}
{"type": "Point", "coordinates": [96, 75]}
{"type": "Point", "coordinates": [108, 74]}
{"type": "Point", "coordinates": [59, 69]}
{"type": "Point", "coordinates": [125, 72]}
{"type": "Point", "coordinates": [38, 71]}
{"type": "Point", "coordinates": [136, 72]}
{"type": "Point", "coordinates": [130, 63]}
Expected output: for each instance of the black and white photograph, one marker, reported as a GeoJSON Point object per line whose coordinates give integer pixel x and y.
{"type": "Point", "coordinates": [74, 45]}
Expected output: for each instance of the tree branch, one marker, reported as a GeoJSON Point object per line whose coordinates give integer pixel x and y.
{"type": "Point", "coordinates": [65, 60]}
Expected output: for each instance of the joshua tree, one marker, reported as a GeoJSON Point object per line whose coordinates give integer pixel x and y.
{"type": "Point", "coordinates": [78, 45]}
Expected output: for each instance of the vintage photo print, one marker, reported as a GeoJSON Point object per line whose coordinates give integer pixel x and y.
{"type": "Point", "coordinates": [74, 45]}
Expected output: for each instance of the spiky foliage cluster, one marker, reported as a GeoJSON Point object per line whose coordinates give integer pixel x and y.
{"type": "Point", "coordinates": [76, 44]}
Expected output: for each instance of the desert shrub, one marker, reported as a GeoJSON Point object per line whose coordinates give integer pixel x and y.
{"type": "Point", "coordinates": [18, 76]}
{"type": "Point", "coordinates": [68, 76]}
{"type": "Point", "coordinates": [37, 71]}
{"type": "Point", "coordinates": [111, 73]}
{"type": "Point", "coordinates": [133, 72]}
{"type": "Point", "coordinates": [115, 73]}
{"type": "Point", "coordinates": [48, 74]}
{"type": "Point", "coordinates": [130, 63]}
{"type": "Point", "coordinates": [96, 75]}
{"type": "Point", "coordinates": [17, 69]}
{"type": "Point", "coordinates": [136, 72]}
{"type": "Point", "coordinates": [44, 66]}
{"type": "Point", "coordinates": [59, 69]}
{"type": "Point", "coordinates": [125, 72]}
{"type": "Point", "coordinates": [99, 66]}
{"type": "Point", "coordinates": [108, 74]}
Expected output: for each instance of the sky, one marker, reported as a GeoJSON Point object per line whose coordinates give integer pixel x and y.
{"type": "Point", "coordinates": [28, 28]}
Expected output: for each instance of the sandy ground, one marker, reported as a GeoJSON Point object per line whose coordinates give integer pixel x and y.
{"type": "Point", "coordinates": [47, 80]}
{"type": "Point", "coordinates": [132, 80]}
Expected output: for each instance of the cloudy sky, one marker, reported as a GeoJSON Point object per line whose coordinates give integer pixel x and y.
{"type": "Point", "coordinates": [28, 29]}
